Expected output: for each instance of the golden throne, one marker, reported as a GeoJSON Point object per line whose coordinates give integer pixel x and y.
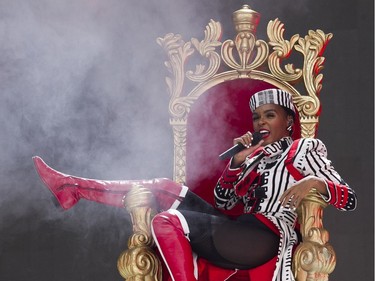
{"type": "Point", "coordinates": [204, 106]}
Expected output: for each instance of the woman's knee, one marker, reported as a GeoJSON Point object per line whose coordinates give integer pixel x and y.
{"type": "Point", "coordinates": [169, 221]}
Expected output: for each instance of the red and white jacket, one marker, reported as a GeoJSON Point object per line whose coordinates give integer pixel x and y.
{"type": "Point", "coordinates": [264, 176]}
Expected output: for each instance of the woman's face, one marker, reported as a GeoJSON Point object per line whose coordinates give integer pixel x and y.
{"type": "Point", "coordinates": [272, 121]}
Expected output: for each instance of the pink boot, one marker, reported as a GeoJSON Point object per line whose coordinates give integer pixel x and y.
{"type": "Point", "coordinates": [170, 232]}
{"type": "Point", "coordinates": [69, 189]}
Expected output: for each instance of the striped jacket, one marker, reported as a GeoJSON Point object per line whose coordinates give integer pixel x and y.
{"type": "Point", "coordinates": [260, 181]}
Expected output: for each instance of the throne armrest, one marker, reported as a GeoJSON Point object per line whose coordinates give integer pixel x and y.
{"type": "Point", "coordinates": [139, 261]}
{"type": "Point", "coordinates": [314, 258]}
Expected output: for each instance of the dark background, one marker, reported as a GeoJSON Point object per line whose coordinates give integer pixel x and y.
{"type": "Point", "coordinates": [82, 85]}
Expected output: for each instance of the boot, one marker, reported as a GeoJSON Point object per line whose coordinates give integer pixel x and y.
{"type": "Point", "coordinates": [68, 190]}
{"type": "Point", "coordinates": [170, 231]}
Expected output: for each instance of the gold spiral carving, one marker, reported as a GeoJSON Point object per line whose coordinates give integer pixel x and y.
{"type": "Point", "coordinates": [140, 239]}
{"type": "Point", "coordinates": [282, 50]}
{"type": "Point", "coordinates": [314, 258]}
{"type": "Point", "coordinates": [312, 47]}
{"type": "Point", "coordinates": [315, 261]}
{"type": "Point", "coordinates": [140, 262]}
{"type": "Point", "coordinates": [306, 105]}
{"type": "Point", "coordinates": [178, 51]}
{"type": "Point", "coordinates": [206, 49]}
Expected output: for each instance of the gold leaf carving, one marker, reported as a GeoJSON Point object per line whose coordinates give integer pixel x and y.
{"type": "Point", "coordinates": [180, 106]}
{"type": "Point", "coordinates": [178, 51]}
{"type": "Point", "coordinates": [306, 105]}
{"type": "Point", "coordinates": [207, 49]}
{"type": "Point", "coordinates": [282, 49]}
{"type": "Point", "coordinates": [139, 263]}
{"type": "Point", "coordinates": [312, 47]}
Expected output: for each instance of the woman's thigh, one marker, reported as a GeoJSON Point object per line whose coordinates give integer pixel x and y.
{"type": "Point", "coordinates": [242, 243]}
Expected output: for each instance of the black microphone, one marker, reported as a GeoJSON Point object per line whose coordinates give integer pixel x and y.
{"type": "Point", "coordinates": [239, 147]}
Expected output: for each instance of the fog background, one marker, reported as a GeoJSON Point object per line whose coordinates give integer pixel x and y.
{"type": "Point", "coordinates": [82, 84]}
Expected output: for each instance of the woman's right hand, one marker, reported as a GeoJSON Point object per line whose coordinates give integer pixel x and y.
{"type": "Point", "coordinates": [246, 140]}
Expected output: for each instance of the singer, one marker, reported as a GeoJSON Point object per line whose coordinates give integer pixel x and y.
{"type": "Point", "coordinates": [268, 180]}
{"type": "Point", "coordinates": [269, 189]}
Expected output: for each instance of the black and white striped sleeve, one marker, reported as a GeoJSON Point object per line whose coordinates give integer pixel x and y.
{"type": "Point", "coordinates": [315, 163]}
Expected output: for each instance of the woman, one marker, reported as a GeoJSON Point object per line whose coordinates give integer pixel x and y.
{"type": "Point", "coordinates": [256, 177]}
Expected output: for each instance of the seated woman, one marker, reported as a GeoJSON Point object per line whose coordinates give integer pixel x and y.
{"type": "Point", "coordinates": [270, 190]}
{"type": "Point", "coordinates": [270, 179]}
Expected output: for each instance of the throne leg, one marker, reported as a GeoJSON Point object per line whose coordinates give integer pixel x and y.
{"type": "Point", "coordinates": [139, 262]}
{"type": "Point", "coordinates": [314, 258]}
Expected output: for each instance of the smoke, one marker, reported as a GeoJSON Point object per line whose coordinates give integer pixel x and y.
{"type": "Point", "coordinates": [82, 86]}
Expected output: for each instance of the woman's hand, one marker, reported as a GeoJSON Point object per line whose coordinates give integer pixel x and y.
{"type": "Point", "coordinates": [246, 140]}
{"type": "Point", "coordinates": [293, 196]}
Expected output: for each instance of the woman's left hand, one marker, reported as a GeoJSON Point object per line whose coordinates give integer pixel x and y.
{"type": "Point", "coordinates": [293, 196]}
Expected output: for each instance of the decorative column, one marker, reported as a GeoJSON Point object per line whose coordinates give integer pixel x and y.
{"type": "Point", "coordinates": [314, 258]}
{"type": "Point", "coordinates": [139, 262]}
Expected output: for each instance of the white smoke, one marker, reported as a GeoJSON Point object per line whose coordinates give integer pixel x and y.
{"type": "Point", "coordinates": [82, 84]}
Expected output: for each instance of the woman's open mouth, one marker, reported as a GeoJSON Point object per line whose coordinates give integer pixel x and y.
{"type": "Point", "coordinates": [264, 133]}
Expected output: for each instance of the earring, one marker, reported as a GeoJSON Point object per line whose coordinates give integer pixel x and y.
{"type": "Point", "coordinates": [289, 128]}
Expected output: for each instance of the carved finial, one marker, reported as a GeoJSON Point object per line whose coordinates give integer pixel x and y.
{"type": "Point", "coordinates": [246, 19]}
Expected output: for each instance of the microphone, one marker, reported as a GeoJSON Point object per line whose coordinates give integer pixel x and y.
{"type": "Point", "coordinates": [239, 147]}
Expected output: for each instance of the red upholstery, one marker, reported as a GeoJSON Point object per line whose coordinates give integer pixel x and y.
{"type": "Point", "coordinates": [216, 118]}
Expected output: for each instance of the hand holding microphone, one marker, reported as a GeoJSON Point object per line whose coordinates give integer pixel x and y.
{"type": "Point", "coordinates": [250, 139]}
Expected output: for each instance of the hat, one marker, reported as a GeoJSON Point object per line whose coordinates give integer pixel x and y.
{"type": "Point", "coordinates": [274, 96]}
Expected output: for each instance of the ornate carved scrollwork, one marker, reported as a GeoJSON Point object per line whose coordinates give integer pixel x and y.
{"type": "Point", "coordinates": [282, 50]}
{"type": "Point", "coordinates": [206, 48]}
{"type": "Point", "coordinates": [311, 47]}
{"type": "Point", "coordinates": [140, 262]}
{"type": "Point", "coordinates": [314, 259]}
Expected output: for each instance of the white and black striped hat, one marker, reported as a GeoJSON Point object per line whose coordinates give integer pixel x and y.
{"type": "Point", "coordinates": [274, 96]}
